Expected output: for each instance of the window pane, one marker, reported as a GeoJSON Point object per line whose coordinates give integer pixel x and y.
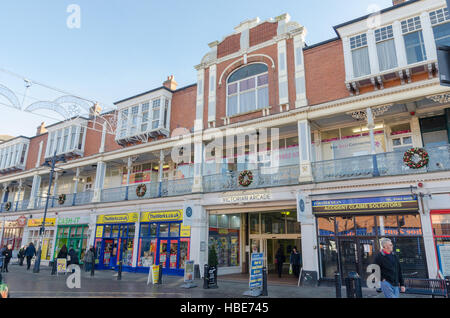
{"type": "Point", "coordinates": [247, 84]}
{"type": "Point", "coordinates": [442, 34]}
{"type": "Point", "coordinates": [250, 70]}
{"type": "Point", "coordinates": [254, 223]}
{"type": "Point", "coordinates": [232, 88]}
{"type": "Point", "coordinates": [273, 223]}
{"type": "Point", "coordinates": [415, 47]}
{"type": "Point", "coordinates": [164, 230]}
{"type": "Point", "coordinates": [409, 225]}
{"type": "Point", "coordinates": [386, 55]}
{"type": "Point", "coordinates": [213, 220]}
{"type": "Point", "coordinates": [441, 224]}
{"type": "Point", "coordinates": [361, 63]}
{"type": "Point", "coordinates": [232, 105]}
{"type": "Point", "coordinates": [388, 225]}
{"type": "Point", "coordinates": [263, 97]}
{"type": "Point", "coordinates": [328, 257]}
{"type": "Point", "coordinates": [365, 225]}
{"type": "Point", "coordinates": [145, 229]}
{"type": "Point", "coordinates": [174, 230]}
{"type": "Point", "coordinates": [345, 226]}
{"type": "Point", "coordinates": [247, 102]}
{"type": "Point", "coordinates": [263, 79]}
{"type": "Point", "coordinates": [223, 221]}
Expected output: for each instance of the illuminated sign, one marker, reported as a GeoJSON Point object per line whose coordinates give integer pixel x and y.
{"type": "Point", "coordinates": [38, 222]}
{"type": "Point", "coordinates": [404, 203]}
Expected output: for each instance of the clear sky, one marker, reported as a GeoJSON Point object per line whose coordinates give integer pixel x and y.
{"type": "Point", "coordinates": [123, 48]}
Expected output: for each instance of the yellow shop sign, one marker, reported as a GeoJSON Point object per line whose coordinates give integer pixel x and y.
{"type": "Point", "coordinates": [118, 218]}
{"type": "Point", "coordinates": [165, 216]}
{"type": "Point", "coordinates": [38, 222]}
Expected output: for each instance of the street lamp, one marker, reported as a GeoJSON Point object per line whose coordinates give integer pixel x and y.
{"type": "Point", "coordinates": [49, 163]}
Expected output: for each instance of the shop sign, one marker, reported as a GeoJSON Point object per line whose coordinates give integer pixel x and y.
{"type": "Point", "coordinates": [61, 265]}
{"type": "Point", "coordinates": [403, 203]}
{"type": "Point", "coordinates": [185, 231]}
{"type": "Point", "coordinates": [73, 220]}
{"type": "Point", "coordinates": [155, 274]}
{"type": "Point", "coordinates": [256, 267]}
{"type": "Point", "coordinates": [118, 218]}
{"type": "Point", "coordinates": [99, 232]}
{"type": "Point", "coordinates": [38, 222]}
{"type": "Point", "coordinates": [21, 221]}
{"type": "Point", "coordinates": [164, 216]}
{"type": "Point", "coordinates": [239, 196]}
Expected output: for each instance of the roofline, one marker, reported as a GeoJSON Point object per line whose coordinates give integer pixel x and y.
{"type": "Point", "coordinates": [46, 127]}
{"type": "Point", "coordinates": [321, 43]}
{"type": "Point", "coordinates": [408, 2]}
{"type": "Point", "coordinates": [185, 87]}
{"type": "Point", "coordinates": [6, 141]}
{"type": "Point", "coordinates": [142, 94]}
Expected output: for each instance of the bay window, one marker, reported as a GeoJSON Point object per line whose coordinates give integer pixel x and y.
{"type": "Point", "coordinates": [66, 140]}
{"type": "Point", "coordinates": [248, 89]}
{"type": "Point", "coordinates": [13, 154]}
{"type": "Point", "coordinates": [360, 55]}
{"type": "Point", "coordinates": [441, 27]}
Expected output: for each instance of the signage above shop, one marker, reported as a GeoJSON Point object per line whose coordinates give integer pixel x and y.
{"type": "Point", "coordinates": [118, 218]}
{"type": "Point", "coordinates": [403, 203]}
{"type": "Point", "coordinates": [38, 222]}
{"type": "Point", "coordinates": [246, 196]}
{"type": "Point", "coordinates": [162, 216]}
{"type": "Point", "coordinates": [73, 220]}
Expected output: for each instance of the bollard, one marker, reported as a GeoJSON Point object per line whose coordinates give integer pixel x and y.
{"type": "Point", "coordinates": [264, 291]}
{"type": "Point", "coordinates": [206, 277]}
{"type": "Point", "coordinates": [160, 274]}
{"type": "Point", "coordinates": [119, 274]}
{"type": "Point", "coordinates": [353, 285]}
{"type": "Point", "coordinates": [447, 284]}
{"type": "Point", "coordinates": [338, 282]}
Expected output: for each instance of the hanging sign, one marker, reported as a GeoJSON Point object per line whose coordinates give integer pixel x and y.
{"type": "Point", "coordinates": [188, 214]}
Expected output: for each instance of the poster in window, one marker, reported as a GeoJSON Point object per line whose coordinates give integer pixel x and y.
{"type": "Point", "coordinates": [444, 258]}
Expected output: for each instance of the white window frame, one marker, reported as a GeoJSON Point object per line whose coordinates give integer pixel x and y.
{"type": "Point", "coordinates": [412, 27]}
{"type": "Point", "coordinates": [359, 43]}
{"type": "Point", "coordinates": [238, 92]}
{"type": "Point", "coordinates": [386, 33]}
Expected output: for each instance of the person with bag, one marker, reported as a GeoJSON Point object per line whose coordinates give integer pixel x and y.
{"type": "Point", "coordinates": [30, 252]}
{"type": "Point", "coordinates": [295, 261]}
{"type": "Point", "coordinates": [280, 259]}
{"type": "Point", "coordinates": [21, 255]}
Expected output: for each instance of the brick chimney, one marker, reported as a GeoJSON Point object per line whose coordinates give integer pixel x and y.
{"type": "Point", "coordinates": [170, 83]}
{"type": "Point", "coordinates": [41, 129]}
{"type": "Point", "coordinates": [396, 2]}
{"type": "Point", "coordinates": [95, 110]}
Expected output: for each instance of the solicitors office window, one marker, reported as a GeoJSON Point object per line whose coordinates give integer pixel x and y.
{"type": "Point", "coordinates": [413, 37]}
{"type": "Point", "coordinates": [387, 57]}
{"type": "Point", "coordinates": [360, 55]}
{"type": "Point", "coordinates": [441, 26]}
{"type": "Point", "coordinates": [248, 89]}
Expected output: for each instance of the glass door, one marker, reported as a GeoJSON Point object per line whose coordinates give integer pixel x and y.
{"type": "Point", "coordinates": [367, 251]}
{"type": "Point", "coordinates": [163, 253]}
{"type": "Point", "coordinates": [349, 256]}
{"type": "Point", "coordinates": [107, 251]}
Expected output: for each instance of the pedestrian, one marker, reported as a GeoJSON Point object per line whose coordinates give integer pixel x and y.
{"type": "Point", "coordinates": [30, 252]}
{"type": "Point", "coordinates": [391, 271]}
{"type": "Point", "coordinates": [73, 257]}
{"type": "Point", "coordinates": [280, 259]}
{"type": "Point", "coordinates": [7, 254]}
{"type": "Point", "coordinates": [89, 258]}
{"type": "Point", "coordinates": [295, 261]}
{"type": "Point", "coordinates": [21, 255]}
{"type": "Point", "coordinates": [62, 252]}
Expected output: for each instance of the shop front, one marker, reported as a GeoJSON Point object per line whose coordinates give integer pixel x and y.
{"type": "Point", "coordinates": [163, 239]}
{"type": "Point", "coordinates": [33, 229]}
{"type": "Point", "coordinates": [114, 240]}
{"type": "Point", "coordinates": [73, 232]}
{"type": "Point", "coordinates": [440, 221]}
{"type": "Point", "coordinates": [13, 234]}
{"type": "Point", "coordinates": [349, 232]}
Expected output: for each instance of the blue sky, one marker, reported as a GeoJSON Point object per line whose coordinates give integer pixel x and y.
{"type": "Point", "coordinates": [126, 47]}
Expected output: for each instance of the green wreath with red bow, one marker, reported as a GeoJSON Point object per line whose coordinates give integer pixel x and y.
{"type": "Point", "coordinates": [245, 178]}
{"type": "Point", "coordinates": [410, 156]}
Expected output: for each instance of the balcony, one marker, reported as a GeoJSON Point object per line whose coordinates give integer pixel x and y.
{"type": "Point", "coordinates": [383, 164]}
{"type": "Point", "coordinates": [282, 176]}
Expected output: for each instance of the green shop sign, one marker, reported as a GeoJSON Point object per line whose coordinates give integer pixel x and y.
{"type": "Point", "coordinates": [74, 220]}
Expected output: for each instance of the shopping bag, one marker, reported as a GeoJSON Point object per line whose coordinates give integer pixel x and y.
{"type": "Point", "coordinates": [290, 269]}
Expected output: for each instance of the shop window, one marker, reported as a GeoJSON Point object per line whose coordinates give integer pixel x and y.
{"type": "Point", "coordinates": [441, 224]}
{"type": "Point", "coordinates": [273, 223]}
{"type": "Point", "coordinates": [107, 231]}
{"type": "Point", "coordinates": [328, 257]}
{"type": "Point", "coordinates": [254, 223]}
{"type": "Point", "coordinates": [388, 225]}
{"type": "Point", "coordinates": [115, 231]}
{"type": "Point", "coordinates": [409, 225]}
{"type": "Point", "coordinates": [145, 229]}
{"type": "Point", "coordinates": [326, 226]}
{"type": "Point", "coordinates": [164, 230]}
{"type": "Point", "coordinates": [345, 226]}
{"type": "Point", "coordinates": [174, 230]}
{"type": "Point", "coordinates": [223, 221]}
{"type": "Point", "coordinates": [365, 226]}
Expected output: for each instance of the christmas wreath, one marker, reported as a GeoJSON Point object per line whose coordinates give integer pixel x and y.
{"type": "Point", "coordinates": [245, 178]}
{"type": "Point", "coordinates": [8, 206]}
{"type": "Point", "coordinates": [141, 190]}
{"type": "Point", "coordinates": [410, 156]}
{"type": "Point", "coordinates": [61, 199]}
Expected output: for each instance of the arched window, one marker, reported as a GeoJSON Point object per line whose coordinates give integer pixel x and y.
{"type": "Point", "coordinates": [248, 89]}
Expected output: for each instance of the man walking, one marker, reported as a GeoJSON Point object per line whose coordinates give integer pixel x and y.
{"type": "Point", "coordinates": [29, 253]}
{"type": "Point", "coordinates": [391, 272]}
{"type": "Point", "coordinates": [7, 254]}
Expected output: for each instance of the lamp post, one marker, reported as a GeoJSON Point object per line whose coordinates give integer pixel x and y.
{"type": "Point", "coordinates": [49, 163]}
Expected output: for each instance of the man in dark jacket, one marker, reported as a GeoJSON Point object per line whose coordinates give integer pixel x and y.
{"type": "Point", "coordinates": [295, 261]}
{"type": "Point", "coordinates": [391, 271]}
{"type": "Point", "coordinates": [7, 254]}
{"type": "Point", "coordinates": [29, 253]}
{"type": "Point", "coordinates": [280, 259]}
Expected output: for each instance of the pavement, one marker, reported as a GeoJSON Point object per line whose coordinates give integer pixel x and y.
{"type": "Point", "coordinates": [26, 284]}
